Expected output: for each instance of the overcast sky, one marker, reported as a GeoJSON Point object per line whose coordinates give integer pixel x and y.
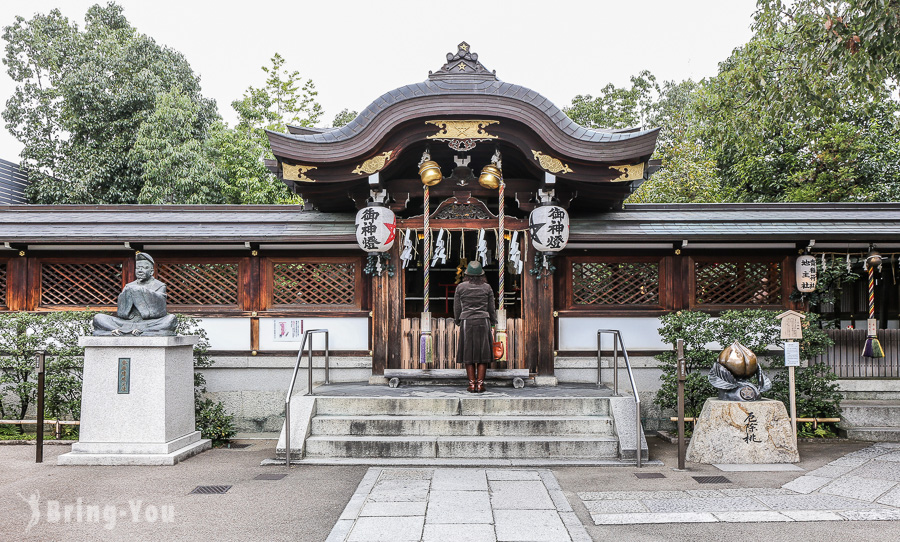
{"type": "Point", "coordinates": [356, 50]}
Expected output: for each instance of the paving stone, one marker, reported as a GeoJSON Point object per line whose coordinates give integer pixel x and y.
{"type": "Point", "coordinates": [849, 462]}
{"type": "Point", "coordinates": [340, 530]}
{"type": "Point", "coordinates": [400, 490]}
{"type": "Point", "coordinates": [754, 491]}
{"type": "Point", "coordinates": [812, 515]}
{"type": "Point", "coordinates": [459, 480]}
{"type": "Point", "coordinates": [893, 456]}
{"type": "Point", "coordinates": [520, 495]}
{"type": "Point", "coordinates": [806, 484]}
{"type": "Point", "coordinates": [393, 508]}
{"type": "Point", "coordinates": [830, 471]}
{"type": "Point", "coordinates": [441, 532]}
{"type": "Point", "coordinates": [631, 495]}
{"type": "Point", "coordinates": [891, 498]}
{"type": "Point", "coordinates": [510, 474]}
{"type": "Point", "coordinates": [459, 507]}
{"type": "Point", "coordinates": [550, 481]}
{"type": "Point", "coordinates": [864, 489]}
{"type": "Point", "coordinates": [377, 529]}
{"type": "Point", "coordinates": [351, 511]}
{"type": "Point", "coordinates": [812, 502]}
{"type": "Point", "coordinates": [634, 519]}
{"type": "Point", "coordinates": [714, 504]}
{"type": "Point", "coordinates": [879, 470]}
{"type": "Point", "coordinates": [704, 493]}
{"type": "Point", "coordinates": [560, 501]}
{"type": "Point", "coordinates": [751, 517]}
{"type": "Point", "coordinates": [406, 474]}
{"type": "Point", "coordinates": [615, 507]}
{"type": "Point", "coordinates": [530, 526]}
{"type": "Point", "coordinates": [880, 514]}
{"type": "Point", "coordinates": [576, 529]}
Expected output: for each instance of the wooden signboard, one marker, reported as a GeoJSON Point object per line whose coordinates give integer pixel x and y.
{"type": "Point", "coordinates": [790, 325]}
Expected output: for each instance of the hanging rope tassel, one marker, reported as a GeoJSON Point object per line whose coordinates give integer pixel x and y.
{"type": "Point", "coordinates": [872, 349]}
{"type": "Point", "coordinates": [426, 341]}
{"type": "Point", "coordinates": [501, 335]}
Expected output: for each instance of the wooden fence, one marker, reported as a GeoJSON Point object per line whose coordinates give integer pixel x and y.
{"type": "Point", "coordinates": [444, 333]}
{"type": "Point", "coordinates": [845, 359]}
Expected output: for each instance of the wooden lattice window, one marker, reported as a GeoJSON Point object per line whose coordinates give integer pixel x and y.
{"type": "Point", "coordinates": [2, 284]}
{"type": "Point", "coordinates": [615, 283]}
{"type": "Point", "coordinates": [737, 283]}
{"type": "Point", "coordinates": [310, 283]}
{"type": "Point", "coordinates": [200, 283]}
{"type": "Point", "coordinates": [80, 284]}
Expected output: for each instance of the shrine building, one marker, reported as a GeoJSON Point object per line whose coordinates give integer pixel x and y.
{"type": "Point", "coordinates": [459, 167]}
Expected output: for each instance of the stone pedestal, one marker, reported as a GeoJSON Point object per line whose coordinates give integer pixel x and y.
{"type": "Point", "coordinates": [743, 432]}
{"type": "Point", "coordinates": [139, 411]}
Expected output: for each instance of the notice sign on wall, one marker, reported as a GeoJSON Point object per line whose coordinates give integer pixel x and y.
{"type": "Point", "coordinates": [288, 330]}
{"type": "Point", "coordinates": [791, 354]}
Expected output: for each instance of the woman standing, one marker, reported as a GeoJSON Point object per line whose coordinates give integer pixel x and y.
{"type": "Point", "coordinates": [475, 314]}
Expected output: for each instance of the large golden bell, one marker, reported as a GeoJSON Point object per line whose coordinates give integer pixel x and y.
{"type": "Point", "coordinates": [738, 359]}
{"type": "Point", "coordinates": [490, 177]}
{"type": "Point", "coordinates": [430, 172]}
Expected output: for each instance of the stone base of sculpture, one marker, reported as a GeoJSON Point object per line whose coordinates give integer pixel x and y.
{"type": "Point", "coordinates": [742, 432]}
{"type": "Point", "coordinates": [137, 405]}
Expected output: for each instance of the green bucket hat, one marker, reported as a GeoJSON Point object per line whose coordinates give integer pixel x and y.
{"type": "Point", "coordinates": [474, 269]}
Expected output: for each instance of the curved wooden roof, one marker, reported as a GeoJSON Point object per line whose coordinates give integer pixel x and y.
{"type": "Point", "coordinates": [463, 87]}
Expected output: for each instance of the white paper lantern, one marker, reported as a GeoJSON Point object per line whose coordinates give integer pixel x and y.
{"type": "Point", "coordinates": [806, 273]}
{"type": "Point", "coordinates": [549, 225]}
{"type": "Point", "coordinates": [375, 228]}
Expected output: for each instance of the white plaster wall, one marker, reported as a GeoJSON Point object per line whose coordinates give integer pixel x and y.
{"type": "Point", "coordinates": [638, 333]}
{"type": "Point", "coordinates": [343, 334]}
{"type": "Point", "coordinates": [227, 333]}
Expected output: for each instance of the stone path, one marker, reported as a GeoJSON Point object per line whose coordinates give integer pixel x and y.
{"type": "Point", "coordinates": [409, 504]}
{"type": "Point", "coordinates": [862, 485]}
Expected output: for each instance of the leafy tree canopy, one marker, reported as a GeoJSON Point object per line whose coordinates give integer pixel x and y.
{"type": "Point", "coordinates": [82, 97]}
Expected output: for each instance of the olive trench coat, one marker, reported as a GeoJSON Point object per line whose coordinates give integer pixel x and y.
{"type": "Point", "coordinates": [474, 312]}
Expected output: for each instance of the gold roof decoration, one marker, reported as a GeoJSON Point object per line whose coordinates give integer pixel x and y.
{"type": "Point", "coordinates": [374, 164]}
{"type": "Point", "coordinates": [296, 172]}
{"type": "Point", "coordinates": [629, 173]}
{"type": "Point", "coordinates": [551, 164]}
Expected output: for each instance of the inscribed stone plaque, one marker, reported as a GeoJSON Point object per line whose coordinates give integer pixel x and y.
{"type": "Point", "coordinates": [124, 377]}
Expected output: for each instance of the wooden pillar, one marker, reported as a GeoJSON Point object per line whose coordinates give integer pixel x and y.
{"type": "Point", "coordinates": [538, 320]}
{"type": "Point", "coordinates": [386, 315]}
{"type": "Point", "coordinates": [17, 297]}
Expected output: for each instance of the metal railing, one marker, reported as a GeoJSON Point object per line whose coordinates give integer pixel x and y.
{"type": "Point", "coordinates": [617, 342]}
{"type": "Point", "coordinates": [307, 338]}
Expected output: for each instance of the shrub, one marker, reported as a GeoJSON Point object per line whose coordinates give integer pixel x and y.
{"type": "Point", "coordinates": [758, 330]}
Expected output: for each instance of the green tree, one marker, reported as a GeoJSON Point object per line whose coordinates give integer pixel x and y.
{"type": "Point", "coordinates": [82, 98]}
{"type": "Point", "coordinates": [344, 117]}
{"type": "Point", "coordinates": [170, 154]}
{"type": "Point", "coordinates": [618, 108]}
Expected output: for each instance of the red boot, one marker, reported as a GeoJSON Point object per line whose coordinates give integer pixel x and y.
{"type": "Point", "coordinates": [470, 372]}
{"type": "Point", "coordinates": [479, 382]}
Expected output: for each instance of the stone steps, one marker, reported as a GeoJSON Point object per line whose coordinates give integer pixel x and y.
{"type": "Point", "coordinates": [457, 428]}
{"type": "Point", "coordinates": [508, 447]}
{"type": "Point", "coordinates": [871, 420]}
{"type": "Point", "coordinates": [383, 425]}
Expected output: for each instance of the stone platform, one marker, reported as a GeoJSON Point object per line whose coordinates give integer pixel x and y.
{"type": "Point", "coordinates": [743, 432]}
{"type": "Point", "coordinates": [140, 412]}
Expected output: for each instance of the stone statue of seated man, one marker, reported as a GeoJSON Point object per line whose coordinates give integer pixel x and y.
{"type": "Point", "coordinates": [142, 306]}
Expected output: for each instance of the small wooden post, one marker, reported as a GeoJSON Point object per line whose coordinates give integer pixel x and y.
{"type": "Point", "coordinates": [39, 449]}
{"type": "Point", "coordinates": [682, 376]}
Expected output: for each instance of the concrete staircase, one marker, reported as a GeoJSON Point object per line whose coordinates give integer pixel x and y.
{"type": "Point", "coordinates": [460, 430]}
{"type": "Point", "coordinates": [875, 421]}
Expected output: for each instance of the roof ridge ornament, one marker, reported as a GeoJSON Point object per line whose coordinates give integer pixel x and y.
{"type": "Point", "coordinates": [464, 62]}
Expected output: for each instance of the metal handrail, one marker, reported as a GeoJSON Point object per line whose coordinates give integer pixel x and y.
{"type": "Point", "coordinates": [617, 341]}
{"type": "Point", "coordinates": [307, 336]}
